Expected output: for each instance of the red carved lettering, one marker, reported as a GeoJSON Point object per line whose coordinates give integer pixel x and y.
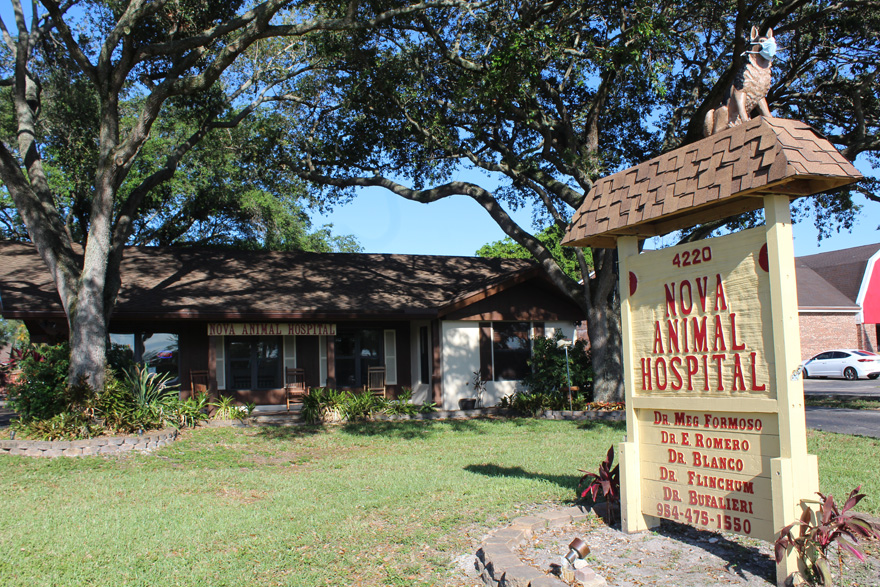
{"type": "Point", "coordinates": [670, 299]}
{"type": "Point", "coordinates": [739, 383]}
{"type": "Point", "coordinates": [762, 387]}
{"type": "Point", "coordinates": [658, 338]}
{"type": "Point", "coordinates": [719, 293]}
{"type": "Point", "coordinates": [719, 335]}
{"type": "Point", "coordinates": [686, 309]}
{"type": "Point", "coordinates": [693, 366]}
{"type": "Point", "coordinates": [733, 344]}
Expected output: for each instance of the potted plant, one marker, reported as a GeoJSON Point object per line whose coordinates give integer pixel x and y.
{"type": "Point", "coordinates": [469, 403]}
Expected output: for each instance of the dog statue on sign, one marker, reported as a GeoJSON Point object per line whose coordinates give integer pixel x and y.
{"type": "Point", "coordinates": [749, 88]}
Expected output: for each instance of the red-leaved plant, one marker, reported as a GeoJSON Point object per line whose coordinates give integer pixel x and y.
{"type": "Point", "coordinates": [606, 481]}
{"type": "Point", "coordinates": [819, 530]}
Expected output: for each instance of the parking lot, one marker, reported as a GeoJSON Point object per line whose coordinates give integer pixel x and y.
{"type": "Point", "coordinates": [861, 388]}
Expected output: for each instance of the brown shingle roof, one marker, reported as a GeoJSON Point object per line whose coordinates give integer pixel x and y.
{"type": "Point", "coordinates": [843, 270]}
{"type": "Point", "coordinates": [816, 293]}
{"type": "Point", "coordinates": [710, 179]}
{"type": "Point", "coordinates": [214, 284]}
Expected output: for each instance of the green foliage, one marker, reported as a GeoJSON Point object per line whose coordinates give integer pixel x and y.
{"type": "Point", "coordinates": [150, 390]}
{"type": "Point", "coordinates": [40, 392]}
{"type": "Point", "coordinates": [548, 369]}
{"type": "Point", "coordinates": [226, 409]}
{"type": "Point", "coordinates": [605, 482]}
{"type": "Point", "coordinates": [116, 408]}
{"type": "Point", "coordinates": [50, 409]}
{"type": "Point", "coordinates": [479, 385]}
{"type": "Point", "coordinates": [330, 405]}
{"type": "Point", "coordinates": [11, 332]}
{"type": "Point", "coordinates": [550, 237]}
{"type": "Point", "coordinates": [818, 530]}
{"type": "Point", "coordinates": [533, 403]}
{"type": "Point", "coordinates": [360, 406]}
{"type": "Point", "coordinates": [323, 404]}
{"type": "Point", "coordinates": [120, 359]}
{"type": "Point", "coordinates": [62, 426]}
{"type": "Point", "coordinates": [402, 405]}
{"type": "Point", "coordinates": [189, 412]}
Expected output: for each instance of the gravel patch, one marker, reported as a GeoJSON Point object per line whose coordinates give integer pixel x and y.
{"type": "Point", "coordinates": [675, 555]}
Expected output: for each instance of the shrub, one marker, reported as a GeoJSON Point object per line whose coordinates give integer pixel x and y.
{"type": "Point", "coordinates": [120, 359]}
{"type": "Point", "coordinates": [360, 406]}
{"type": "Point", "coordinates": [607, 482]}
{"type": "Point", "coordinates": [227, 410]}
{"type": "Point", "coordinates": [548, 371]}
{"type": "Point", "coordinates": [323, 405]}
{"type": "Point", "coordinates": [189, 412]}
{"type": "Point", "coordinates": [402, 406]}
{"type": "Point", "coordinates": [63, 426]}
{"type": "Point", "coordinates": [40, 392]}
{"type": "Point", "coordinates": [818, 531]}
{"type": "Point", "coordinates": [533, 403]}
{"type": "Point", "coordinates": [150, 390]}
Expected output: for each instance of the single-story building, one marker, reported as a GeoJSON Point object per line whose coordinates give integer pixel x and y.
{"type": "Point", "coordinates": [839, 299]}
{"type": "Point", "coordinates": [247, 316]}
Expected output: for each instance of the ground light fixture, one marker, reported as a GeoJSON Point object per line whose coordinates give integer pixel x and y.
{"type": "Point", "coordinates": [564, 343]}
{"type": "Point", "coordinates": [577, 549]}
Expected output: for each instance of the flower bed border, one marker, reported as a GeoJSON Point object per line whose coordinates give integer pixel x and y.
{"type": "Point", "coordinates": [109, 445]}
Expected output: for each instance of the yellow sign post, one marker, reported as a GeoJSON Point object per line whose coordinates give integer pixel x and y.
{"type": "Point", "coordinates": [716, 434]}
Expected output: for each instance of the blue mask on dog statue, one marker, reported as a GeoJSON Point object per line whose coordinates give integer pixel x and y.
{"type": "Point", "coordinates": [768, 49]}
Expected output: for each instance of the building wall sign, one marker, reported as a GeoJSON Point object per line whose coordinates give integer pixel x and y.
{"type": "Point", "coordinates": [270, 329]}
{"type": "Point", "coordinates": [698, 314]}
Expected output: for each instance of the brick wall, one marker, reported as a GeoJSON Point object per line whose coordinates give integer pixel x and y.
{"type": "Point", "coordinates": [823, 331]}
{"type": "Point", "coordinates": [868, 335]}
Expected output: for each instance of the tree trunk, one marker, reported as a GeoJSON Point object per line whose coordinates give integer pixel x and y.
{"type": "Point", "coordinates": [603, 325]}
{"type": "Point", "coordinates": [88, 333]}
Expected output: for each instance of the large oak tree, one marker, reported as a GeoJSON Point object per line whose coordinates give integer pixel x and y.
{"type": "Point", "coordinates": [220, 60]}
{"type": "Point", "coordinates": [542, 98]}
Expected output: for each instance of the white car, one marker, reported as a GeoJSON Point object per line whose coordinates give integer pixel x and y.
{"type": "Point", "coordinates": [850, 364]}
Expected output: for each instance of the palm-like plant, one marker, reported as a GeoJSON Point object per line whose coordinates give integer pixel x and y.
{"type": "Point", "coordinates": [607, 482]}
{"type": "Point", "coordinates": [818, 530]}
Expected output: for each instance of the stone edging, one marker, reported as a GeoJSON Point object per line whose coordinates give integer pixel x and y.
{"type": "Point", "coordinates": [292, 419]}
{"type": "Point", "coordinates": [94, 446]}
{"type": "Point", "coordinates": [499, 565]}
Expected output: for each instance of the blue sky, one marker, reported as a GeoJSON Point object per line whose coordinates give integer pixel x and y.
{"type": "Point", "coordinates": [386, 223]}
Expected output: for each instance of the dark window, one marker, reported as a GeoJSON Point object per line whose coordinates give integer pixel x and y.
{"type": "Point", "coordinates": [356, 350]}
{"type": "Point", "coordinates": [253, 362]}
{"type": "Point", "coordinates": [159, 351]}
{"type": "Point", "coordinates": [425, 371]}
{"type": "Point", "coordinates": [511, 350]}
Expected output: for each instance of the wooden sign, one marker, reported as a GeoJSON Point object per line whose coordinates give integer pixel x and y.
{"type": "Point", "coordinates": [710, 329]}
{"type": "Point", "coordinates": [716, 435]}
{"type": "Point", "coordinates": [270, 329]}
{"type": "Point", "coordinates": [698, 313]}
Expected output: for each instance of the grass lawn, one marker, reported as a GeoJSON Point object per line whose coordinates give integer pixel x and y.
{"type": "Point", "coordinates": [371, 504]}
{"type": "Point", "coordinates": [836, 402]}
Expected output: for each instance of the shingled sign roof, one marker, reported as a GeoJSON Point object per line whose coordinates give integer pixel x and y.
{"type": "Point", "coordinates": [713, 178]}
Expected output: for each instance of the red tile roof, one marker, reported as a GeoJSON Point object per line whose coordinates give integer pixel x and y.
{"type": "Point", "coordinates": [225, 284]}
{"type": "Point", "coordinates": [710, 179]}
